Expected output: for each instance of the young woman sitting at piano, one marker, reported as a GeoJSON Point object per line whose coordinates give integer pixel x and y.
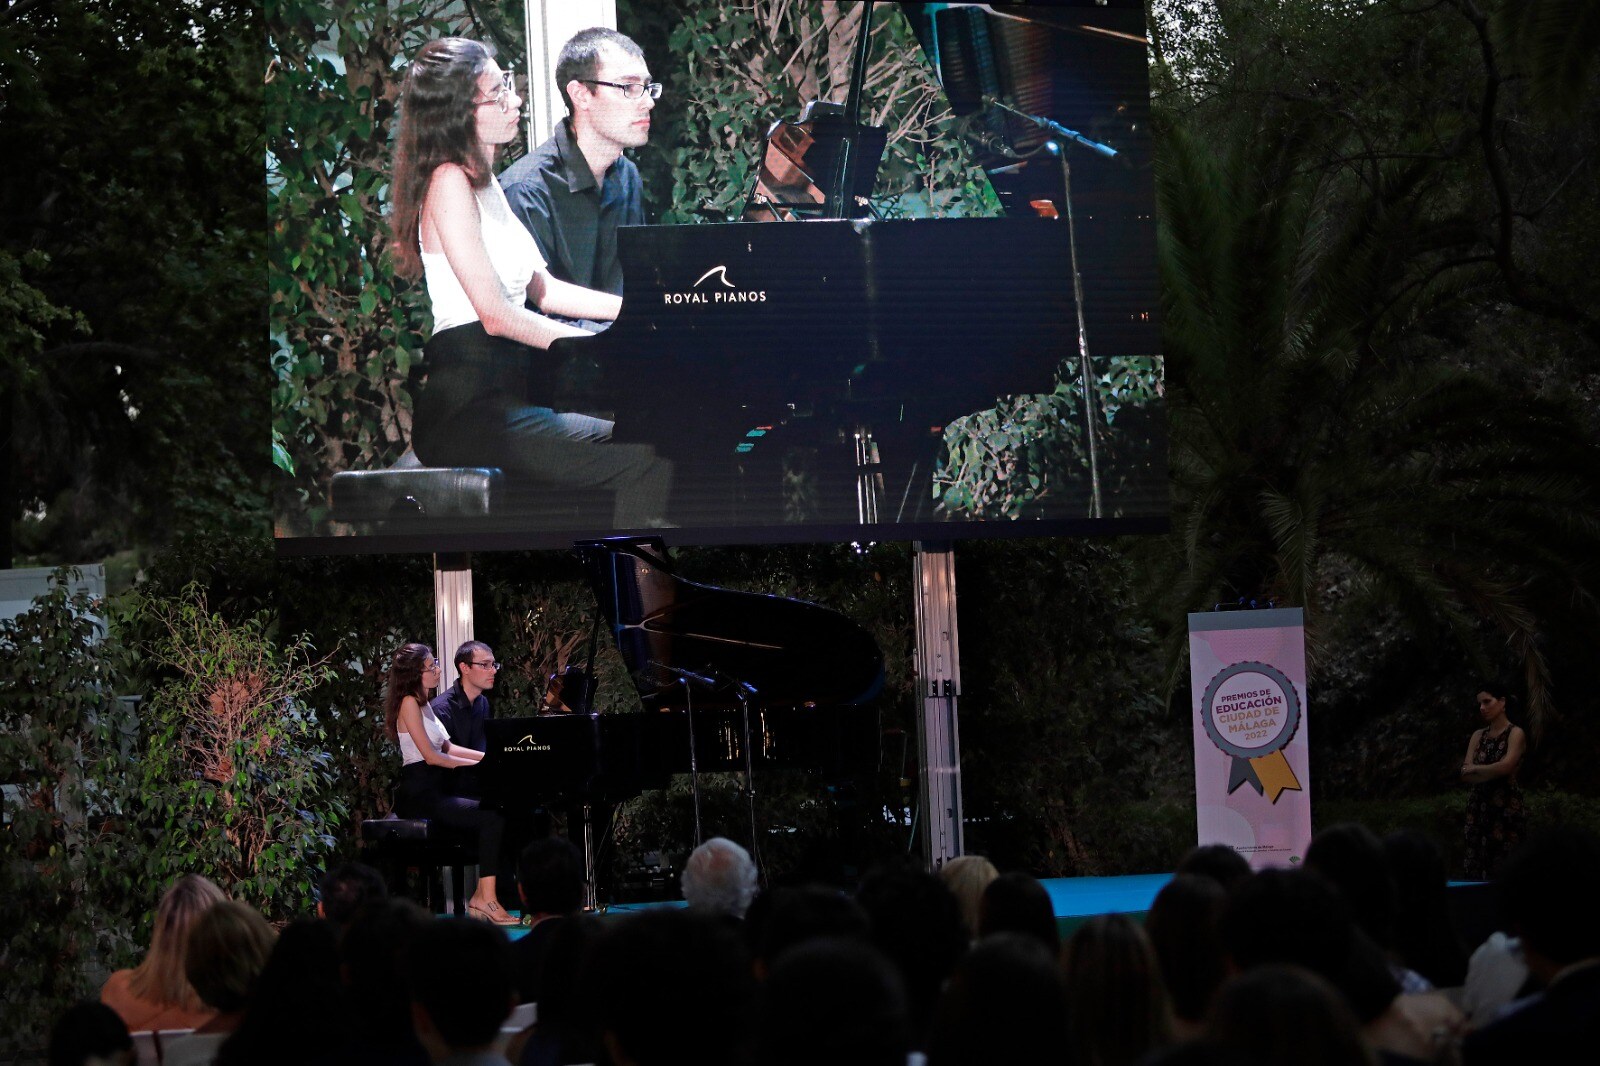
{"type": "Point", "coordinates": [425, 753]}
{"type": "Point", "coordinates": [486, 400]}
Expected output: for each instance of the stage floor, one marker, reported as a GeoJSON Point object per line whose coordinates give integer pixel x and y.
{"type": "Point", "coordinates": [1074, 899]}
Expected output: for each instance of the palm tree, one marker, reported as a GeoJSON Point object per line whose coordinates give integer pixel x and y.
{"type": "Point", "coordinates": [1311, 421]}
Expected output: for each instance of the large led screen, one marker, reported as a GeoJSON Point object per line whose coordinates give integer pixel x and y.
{"type": "Point", "coordinates": [936, 323]}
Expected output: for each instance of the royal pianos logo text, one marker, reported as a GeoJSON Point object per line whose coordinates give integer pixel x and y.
{"type": "Point", "coordinates": [713, 287]}
{"type": "Point", "coordinates": [527, 743]}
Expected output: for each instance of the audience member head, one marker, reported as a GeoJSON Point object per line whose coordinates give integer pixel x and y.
{"type": "Point", "coordinates": [1424, 937]}
{"type": "Point", "coordinates": [720, 878]}
{"type": "Point", "coordinates": [1017, 903]}
{"type": "Point", "coordinates": [1281, 1013]}
{"type": "Point", "coordinates": [461, 986]}
{"type": "Point", "coordinates": [374, 951]}
{"type": "Point", "coordinates": [90, 1034]}
{"type": "Point", "coordinates": [916, 923]}
{"type": "Point", "coordinates": [1116, 1002]}
{"type": "Point", "coordinates": [1547, 892]}
{"type": "Point", "coordinates": [1296, 917]}
{"type": "Point", "coordinates": [161, 977]}
{"type": "Point", "coordinates": [791, 916]}
{"type": "Point", "coordinates": [345, 889]}
{"type": "Point", "coordinates": [1219, 862]}
{"type": "Point", "coordinates": [966, 876]}
{"type": "Point", "coordinates": [405, 679]}
{"type": "Point", "coordinates": [1351, 857]}
{"type": "Point", "coordinates": [1003, 1003]}
{"type": "Point", "coordinates": [302, 969]}
{"type": "Point", "coordinates": [228, 948]}
{"type": "Point", "coordinates": [550, 877]}
{"type": "Point", "coordinates": [1183, 929]}
{"type": "Point", "coordinates": [669, 986]}
{"type": "Point", "coordinates": [557, 991]}
{"type": "Point", "coordinates": [834, 1001]}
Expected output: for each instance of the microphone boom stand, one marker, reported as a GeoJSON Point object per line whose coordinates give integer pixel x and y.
{"type": "Point", "coordinates": [1085, 368]}
{"type": "Point", "coordinates": [749, 773]}
{"type": "Point", "coordinates": [694, 761]}
{"type": "Point", "coordinates": [1060, 137]}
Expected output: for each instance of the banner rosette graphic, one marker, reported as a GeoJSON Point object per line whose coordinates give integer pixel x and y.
{"type": "Point", "coordinates": [1251, 712]}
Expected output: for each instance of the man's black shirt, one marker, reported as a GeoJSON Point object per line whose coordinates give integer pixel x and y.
{"type": "Point", "coordinates": [463, 719]}
{"type": "Point", "coordinates": [552, 190]}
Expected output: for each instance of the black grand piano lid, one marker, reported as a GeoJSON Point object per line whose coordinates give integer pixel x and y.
{"type": "Point", "coordinates": [790, 651]}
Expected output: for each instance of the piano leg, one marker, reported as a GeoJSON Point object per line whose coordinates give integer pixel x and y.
{"type": "Point", "coordinates": [590, 902]}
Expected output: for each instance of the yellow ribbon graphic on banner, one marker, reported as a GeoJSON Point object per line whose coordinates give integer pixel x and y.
{"type": "Point", "coordinates": [1275, 774]}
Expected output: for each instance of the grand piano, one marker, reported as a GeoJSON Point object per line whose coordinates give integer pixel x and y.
{"type": "Point", "coordinates": [727, 682]}
{"type": "Point", "coordinates": [814, 334]}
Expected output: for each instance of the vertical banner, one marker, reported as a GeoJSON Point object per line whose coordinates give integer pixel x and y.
{"type": "Point", "coordinates": [1247, 674]}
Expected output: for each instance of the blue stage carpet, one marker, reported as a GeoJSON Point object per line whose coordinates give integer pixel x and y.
{"type": "Point", "coordinates": [1077, 899]}
{"type": "Point", "coordinates": [1083, 897]}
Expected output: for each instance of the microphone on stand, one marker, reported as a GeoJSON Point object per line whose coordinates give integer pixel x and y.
{"type": "Point", "coordinates": [973, 129]}
{"type": "Point", "coordinates": [688, 677]}
{"type": "Point", "coordinates": [1052, 126]}
{"type": "Point", "coordinates": [743, 686]}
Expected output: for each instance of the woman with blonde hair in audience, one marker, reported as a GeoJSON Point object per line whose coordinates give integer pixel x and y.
{"type": "Point", "coordinates": [156, 994]}
{"type": "Point", "coordinates": [966, 876]}
{"type": "Point", "coordinates": [228, 949]}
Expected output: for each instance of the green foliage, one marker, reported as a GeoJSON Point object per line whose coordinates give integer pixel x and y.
{"type": "Point", "coordinates": [1443, 816]}
{"type": "Point", "coordinates": [1555, 42]}
{"type": "Point", "coordinates": [59, 852]}
{"type": "Point", "coordinates": [379, 604]}
{"type": "Point", "coordinates": [233, 780]}
{"type": "Point", "coordinates": [741, 67]}
{"type": "Point", "coordinates": [1060, 729]}
{"type": "Point", "coordinates": [1315, 271]}
{"type": "Point", "coordinates": [24, 313]}
{"type": "Point", "coordinates": [1021, 457]}
{"type": "Point", "coordinates": [147, 201]}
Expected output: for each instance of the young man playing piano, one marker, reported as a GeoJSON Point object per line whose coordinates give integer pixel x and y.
{"type": "Point", "coordinates": [575, 189]}
{"type": "Point", "coordinates": [463, 707]}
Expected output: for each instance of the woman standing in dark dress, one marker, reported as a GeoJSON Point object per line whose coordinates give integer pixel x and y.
{"type": "Point", "coordinates": [1495, 816]}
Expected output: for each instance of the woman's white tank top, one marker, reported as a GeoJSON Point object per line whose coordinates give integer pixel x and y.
{"type": "Point", "coordinates": [512, 252]}
{"type": "Point", "coordinates": [409, 752]}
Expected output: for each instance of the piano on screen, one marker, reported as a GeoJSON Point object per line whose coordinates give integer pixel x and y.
{"type": "Point", "coordinates": [801, 366]}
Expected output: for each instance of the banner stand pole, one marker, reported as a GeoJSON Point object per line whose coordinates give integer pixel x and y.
{"type": "Point", "coordinates": [939, 686]}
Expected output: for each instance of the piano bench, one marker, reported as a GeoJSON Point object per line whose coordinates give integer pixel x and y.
{"type": "Point", "coordinates": [438, 853]}
{"type": "Point", "coordinates": [410, 490]}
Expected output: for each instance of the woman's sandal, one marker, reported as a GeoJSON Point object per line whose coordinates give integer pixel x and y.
{"type": "Point", "coordinates": [492, 913]}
